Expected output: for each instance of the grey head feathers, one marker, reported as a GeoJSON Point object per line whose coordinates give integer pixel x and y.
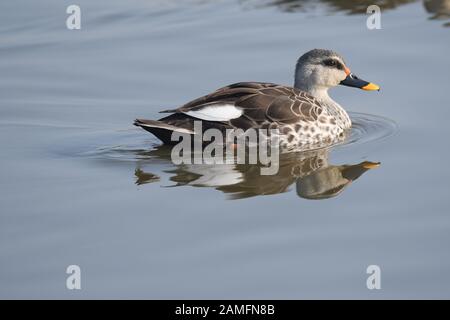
{"type": "Point", "coordinates": [316, 56]}
{"type": "Point", "coordinates": [317, 70]}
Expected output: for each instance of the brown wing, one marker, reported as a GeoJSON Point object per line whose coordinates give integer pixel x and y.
{"type": "Point", "coordinates": [260, 102]}
{"type": "Point", "coordinates": [280, 104]}
{"type": "Point", "coordinates": [228, 94]}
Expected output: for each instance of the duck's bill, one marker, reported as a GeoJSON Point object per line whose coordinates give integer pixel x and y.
{"type": "Point", "coordinates": [354, 81]}
{"type": "Point", "coordinates": [370, 165]}
{"type": "Point", "coordinates": [353, 172]}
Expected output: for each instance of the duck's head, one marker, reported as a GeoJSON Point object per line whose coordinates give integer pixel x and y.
{"type": "Point", "coordinates": [320, 69]}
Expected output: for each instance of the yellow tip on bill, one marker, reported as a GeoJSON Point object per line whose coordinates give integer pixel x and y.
{"type": "Point", "coordinates": [371, 87]}
{"type": "Point", "coordinates": [370, 165]}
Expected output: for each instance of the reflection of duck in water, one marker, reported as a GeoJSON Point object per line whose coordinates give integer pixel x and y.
{"type": "Point", "coordinates": [349, 6]}
{"type": "Point", "coordinates": [314, 177]}
{"type": "Point", "coordinates": [440, 9]}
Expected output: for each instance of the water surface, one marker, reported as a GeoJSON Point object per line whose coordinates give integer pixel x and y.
{"type": "Point", "coordinates": [80, 185]}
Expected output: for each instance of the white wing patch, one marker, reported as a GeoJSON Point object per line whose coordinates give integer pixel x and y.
{"type": "Point", "coordinates": [215, 175]}
{"type": "Point", "coordinates": [218, 112]}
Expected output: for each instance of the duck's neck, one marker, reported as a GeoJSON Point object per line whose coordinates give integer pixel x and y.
{"type": "Point", "coordinates": [333, 108]}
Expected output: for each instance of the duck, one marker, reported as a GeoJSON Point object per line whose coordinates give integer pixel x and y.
{"type": "Point", "coordinates": [304, 114]}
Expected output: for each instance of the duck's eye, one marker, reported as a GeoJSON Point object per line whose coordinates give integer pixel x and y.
{"type": "Point", "coordinates": [330, 63]}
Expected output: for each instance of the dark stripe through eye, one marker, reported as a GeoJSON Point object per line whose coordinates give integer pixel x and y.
{"type": "Point", "coordinates": [333, 63]}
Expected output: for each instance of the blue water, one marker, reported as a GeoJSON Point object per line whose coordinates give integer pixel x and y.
{"type": "Point", "coordinates": [81, 185]}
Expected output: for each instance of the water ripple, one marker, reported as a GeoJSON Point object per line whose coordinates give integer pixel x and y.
{"type": "Point", "coordinates": [132, 145]}
{"type": "Point", "coordinates": [367, 128]}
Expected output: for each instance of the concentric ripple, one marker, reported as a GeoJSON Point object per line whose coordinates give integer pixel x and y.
{"type": "Point", "coordinates": [368, 128]}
